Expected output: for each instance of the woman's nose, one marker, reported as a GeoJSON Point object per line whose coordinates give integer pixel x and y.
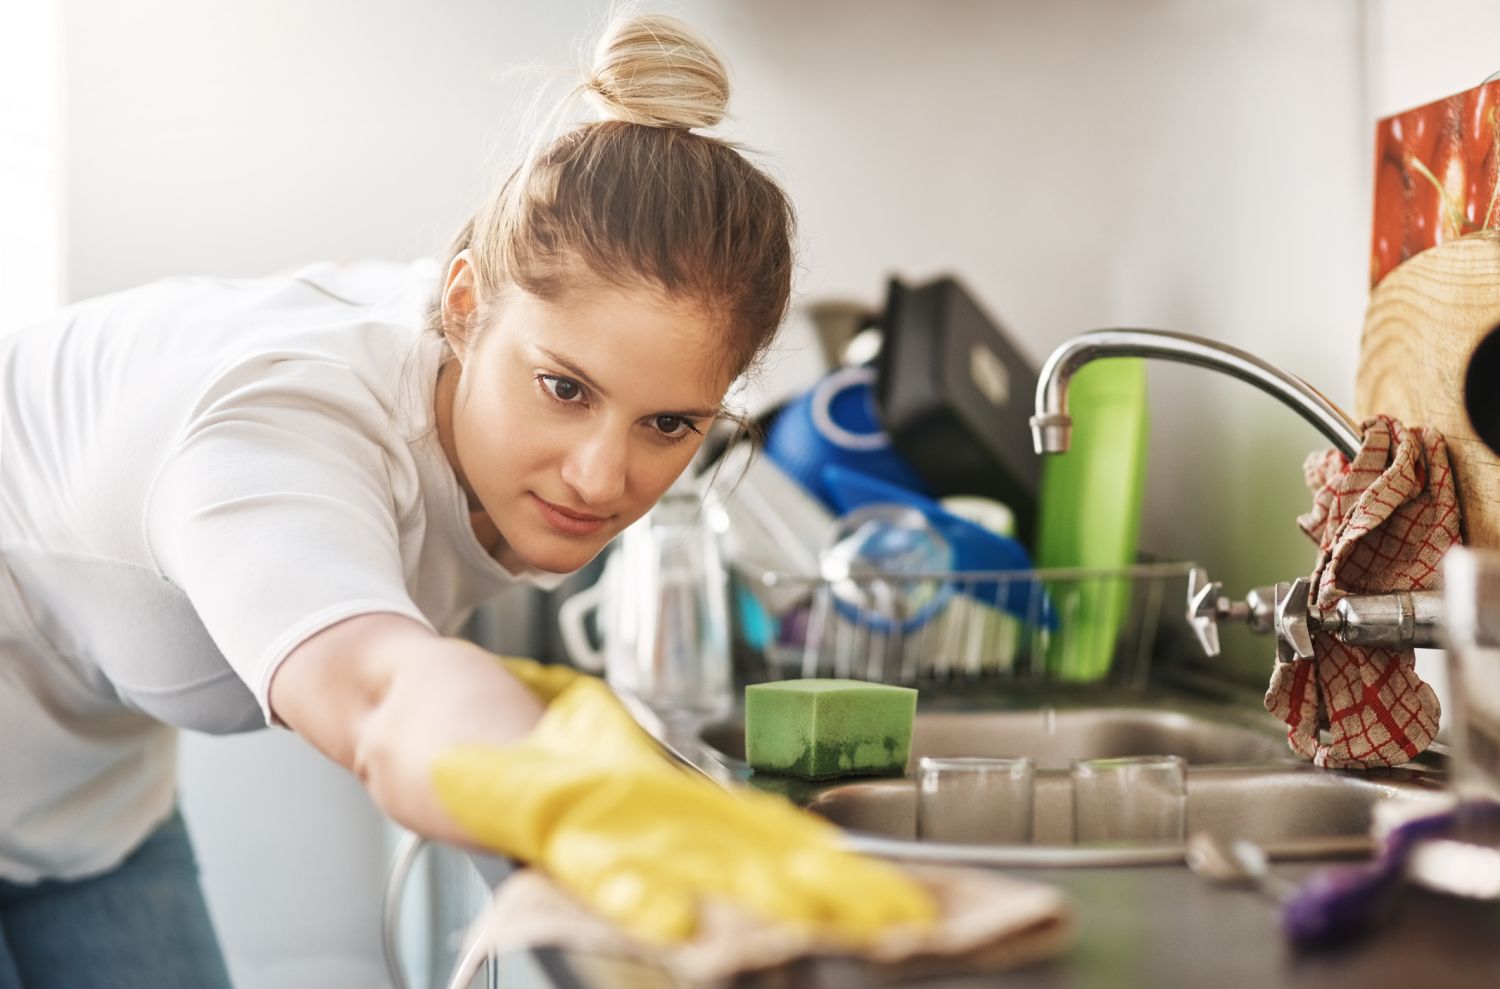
{"type": "Point", "coordinates": [595, 469]}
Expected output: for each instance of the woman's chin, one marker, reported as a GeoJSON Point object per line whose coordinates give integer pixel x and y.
{"type": "Point", "coordinates": [552, 554]}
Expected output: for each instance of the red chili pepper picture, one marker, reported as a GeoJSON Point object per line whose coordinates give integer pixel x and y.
{"type": "Point", "coordinates": [1435, 176]}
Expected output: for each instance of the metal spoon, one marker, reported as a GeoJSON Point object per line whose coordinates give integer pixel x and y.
{"type": "Point", "coordinates": [1236, 862]}
{"type": "Point", "coordinates": [1334, 904]}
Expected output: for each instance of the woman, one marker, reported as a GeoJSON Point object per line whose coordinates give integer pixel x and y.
{"type": "Point", "coordinates": [231, 504]}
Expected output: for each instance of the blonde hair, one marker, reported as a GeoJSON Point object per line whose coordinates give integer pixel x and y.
{"type": "Point", "coordinates": [641, 194]}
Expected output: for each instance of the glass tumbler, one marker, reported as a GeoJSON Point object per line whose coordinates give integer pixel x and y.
{"type": "Point", "coordinates": [1471, 601]}
{"type": "Point", "coordinates": [971, 800]}
{"type": "Point", "coordinates": [666, 639]}
{"type": "Point", "coordinates": [1132, 799]}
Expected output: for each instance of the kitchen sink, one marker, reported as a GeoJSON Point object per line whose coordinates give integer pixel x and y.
{"type": "Point", "coordinates": [1291, 810]}
{"type": "Point", "coordinates": [1055, 737]}
{"type": "Point", "coordinates": [1242, 782]}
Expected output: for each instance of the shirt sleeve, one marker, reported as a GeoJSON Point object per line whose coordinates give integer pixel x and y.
{"type": "Point", "coordinates": [275, 516]}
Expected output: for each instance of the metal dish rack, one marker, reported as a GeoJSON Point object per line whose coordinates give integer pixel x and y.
{"type": "Point", "coordinates": [961, 629]}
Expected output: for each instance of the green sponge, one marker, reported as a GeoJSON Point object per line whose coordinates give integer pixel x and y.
{"type": "Point", "coordinates": [817, 729]}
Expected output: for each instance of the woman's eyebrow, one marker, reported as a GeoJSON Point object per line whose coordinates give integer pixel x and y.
{"type": "Point", "coordinates": [573, 369]}
{"type": "Point", "coordinates": [583, 376]}
{"type": "Point", "coordinates": [689, 413]}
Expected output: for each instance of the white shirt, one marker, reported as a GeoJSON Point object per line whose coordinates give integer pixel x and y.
{"type": "Point", "coordinates": [195, 477]}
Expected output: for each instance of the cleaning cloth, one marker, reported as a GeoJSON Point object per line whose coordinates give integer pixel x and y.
{"type": "Point", "coordinates": [1382, 522]}
{"type": "Point", "coordinates": [986, 922]}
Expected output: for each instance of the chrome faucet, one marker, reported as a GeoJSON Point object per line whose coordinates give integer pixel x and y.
{"type": "Point", "coordinates": [1398, 620]}
{"type": "Point", "coordinates": [1051, 427]}
{"type": "Point", "coordinates": [1401, 620]}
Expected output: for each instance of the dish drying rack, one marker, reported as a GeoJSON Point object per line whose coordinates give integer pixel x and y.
{"type": "Point", "coordinates": [962, 629]}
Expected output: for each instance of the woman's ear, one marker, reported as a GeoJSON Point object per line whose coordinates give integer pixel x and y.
{"type": "Point", "coordinates": [460, 300]}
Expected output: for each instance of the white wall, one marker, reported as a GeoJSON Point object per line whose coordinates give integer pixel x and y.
{"type": "Point", "coordinates": [1172, 164]}
{"type": "Point", "coordinates": [1418, 53]}
{"type": "Point", "coordinates": [1179, 165]}
{"type": "Point", "coordinates": [31, 151]}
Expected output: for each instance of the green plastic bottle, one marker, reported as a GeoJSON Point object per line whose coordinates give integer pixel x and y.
{"type": "Point", "coordinates": [1089, 513]}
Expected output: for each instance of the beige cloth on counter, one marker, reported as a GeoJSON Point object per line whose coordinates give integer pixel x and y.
{"type": "Point", "coordinates": [987, 922]}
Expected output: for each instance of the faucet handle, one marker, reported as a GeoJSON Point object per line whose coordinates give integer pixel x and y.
{"type": "Point", "coordinates": [1394, 620]}
{"type": "Point", "coordinates": [1204, 597]}
{"type": "Point", "coordinates": [1207, 607]}
{"type": "Point", "coordinates": [1295, 618]}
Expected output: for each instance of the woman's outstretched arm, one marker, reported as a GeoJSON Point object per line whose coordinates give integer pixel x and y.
{"type": "Point", "coordinates": [383, 696]}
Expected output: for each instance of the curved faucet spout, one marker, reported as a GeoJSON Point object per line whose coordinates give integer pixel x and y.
{"type": "Point", "coordinates": [1051, 427]}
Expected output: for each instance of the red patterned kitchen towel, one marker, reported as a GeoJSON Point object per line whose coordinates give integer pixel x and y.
{"type": "Point", "coordinates": [1382, 522]}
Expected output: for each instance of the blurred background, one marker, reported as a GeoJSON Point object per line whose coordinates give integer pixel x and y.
{"type": "Point", "coordinates": [1174, 164]}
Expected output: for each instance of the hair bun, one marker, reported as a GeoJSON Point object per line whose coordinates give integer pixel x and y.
{"type": "Point", "coordinates": [652, 69]}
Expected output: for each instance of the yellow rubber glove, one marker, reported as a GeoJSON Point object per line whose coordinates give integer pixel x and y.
{"type": "Point", "coordinates": [546, 680]}
{"type": "Point", "coordinates": [589, 798]}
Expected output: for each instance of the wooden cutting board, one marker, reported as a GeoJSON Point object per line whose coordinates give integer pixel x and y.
{"type": "Point", "coordinates": [1424, 321]}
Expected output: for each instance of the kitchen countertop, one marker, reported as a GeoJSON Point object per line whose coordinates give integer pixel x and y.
{"type": "Point", "coordinates": [1158, 925]}
{"type": "Point", "coordinates": [1164, 926]}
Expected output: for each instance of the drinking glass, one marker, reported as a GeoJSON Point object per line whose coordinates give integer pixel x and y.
{"type": "Point", "coordinates": [1132, 799]}
{"type": "Point", "coordinates": [667, 636]}
{"type": "Point", "coordinates": [975, 801]}
{"type": "Point", "coordinates": [1471, 602]}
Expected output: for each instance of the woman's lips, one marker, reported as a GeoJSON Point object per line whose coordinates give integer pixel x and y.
{"type": "Point", "coordinates": [569, 522]}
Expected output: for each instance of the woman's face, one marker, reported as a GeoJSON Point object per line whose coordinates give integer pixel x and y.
{"type": "Point", "coordinates": [566, 420]}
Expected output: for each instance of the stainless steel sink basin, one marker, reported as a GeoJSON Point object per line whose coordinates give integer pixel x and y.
{"type": "Point", "coordinates": [1242, 782]}
{"type": "Point", "coordinates": [1055, 737]}
{"type": "Point", "coordinates": [1293, 810]}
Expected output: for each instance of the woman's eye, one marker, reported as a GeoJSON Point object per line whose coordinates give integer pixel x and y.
{"type": "Point", "coordinates": [673, 427]}
{"type": "Point", "coordinates": [562, 389]}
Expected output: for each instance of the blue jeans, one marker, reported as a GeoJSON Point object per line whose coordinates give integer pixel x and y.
{"type": "Point", "coordinates": [143, 925]}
